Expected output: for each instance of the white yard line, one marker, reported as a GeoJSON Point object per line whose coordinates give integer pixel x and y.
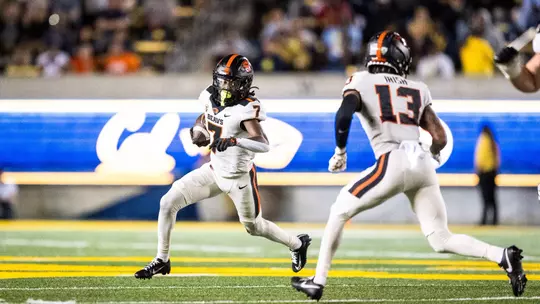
{"type": "Point", "coordinates": [212, 287]}
{"type": "Point", "coordinates": [129, 245]}
{"type": "Point", "coordinates": [482, 299]}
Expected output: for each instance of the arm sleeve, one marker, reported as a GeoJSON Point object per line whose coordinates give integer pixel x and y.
{"type": "Point", "coordinates": [252, 145]}
{"type": "Point", "coordinates": [344, 116]}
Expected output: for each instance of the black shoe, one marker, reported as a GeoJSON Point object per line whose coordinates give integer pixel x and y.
{"type": "Point", "coordinates": [313, 290]}
{"type": "Point", "coordinates": [299, 256]}
{"type": "Point", "coordinates": [155, 267]}
{"type": "Point", "coordinates": [511, 263]}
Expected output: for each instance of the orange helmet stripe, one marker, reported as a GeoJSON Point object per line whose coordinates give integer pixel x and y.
{"type": "Point", "coordinates": [379, 46]}
{"type": "Point", "coordinates": [228, 66]}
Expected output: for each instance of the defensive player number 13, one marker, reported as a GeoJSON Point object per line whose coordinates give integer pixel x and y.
{"type": "Point", "coordinates": [387, 110]}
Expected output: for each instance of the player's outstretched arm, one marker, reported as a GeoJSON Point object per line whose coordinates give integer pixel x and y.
{"type": "Point", "coordinates": [524, 78]}
{"type": "Point", "coordinates": [431, 123]}
{"type": "Point", "coordinates": [351, 103]}
{"type": "Point", "coordinates": [257, 141]}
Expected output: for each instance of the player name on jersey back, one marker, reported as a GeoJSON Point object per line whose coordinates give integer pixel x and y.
{"type": "Point", "coordinates": [395, 79]}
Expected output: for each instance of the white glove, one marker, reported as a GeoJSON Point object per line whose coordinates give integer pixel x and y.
{"type": "Point", "coordinates": [338, 162]}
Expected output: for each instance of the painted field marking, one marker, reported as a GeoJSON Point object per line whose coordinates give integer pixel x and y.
{"type": "Point", "coordinates": [131, 226]}
{"type": "Point", "coordinates": [482, 299]}
{"type": "Point", "coordinates": [221, 286]}
{"type": "Point", "coordinates": [10, 271]}
{"type": "Point", "coordinates": [411, 262]}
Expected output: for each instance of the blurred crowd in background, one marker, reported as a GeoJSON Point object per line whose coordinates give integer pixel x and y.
{"type": "Point", "coordinates": [52, 37]}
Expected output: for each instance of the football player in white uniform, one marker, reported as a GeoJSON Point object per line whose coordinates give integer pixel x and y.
{"type": "Point", "coordinates": [391, 109]}
{"type": "Point", "coordinates": [525, 78]}
{"type": "Point", "coordinates": [232, 114]}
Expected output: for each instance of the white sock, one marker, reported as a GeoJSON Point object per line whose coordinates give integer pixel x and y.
{"type": "Point", "coordinates": [169, 207]}
{"type": "Point", "coordinates": [465, 245]}
{"type": "Point", "coordinates": [272, 232]}
{"type": "Point", "coordinates": [166, 222]}
{"type": "Point", "coordinates": [329, 244]}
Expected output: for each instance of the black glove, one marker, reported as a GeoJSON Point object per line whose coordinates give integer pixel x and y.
{"type": "Point", "coordinates": [506, 55]}
{"type": "Point", "coordinates": [221, 144]}
{"type": "Point", "coordinates": [508, 61]}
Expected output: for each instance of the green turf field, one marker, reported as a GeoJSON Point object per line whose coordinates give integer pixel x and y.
{"type": "Point", "coordinates": [220, 263]}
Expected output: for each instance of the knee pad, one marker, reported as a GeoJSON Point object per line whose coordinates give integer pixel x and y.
{"type": "Point", "coordinates": [438, 239]}
{"type": "Point", "coordinates": [255, 227]}
{"type": "Point", "coordinates": [340, 209]}
{"type": "Point", "coordinates": [173, 200]}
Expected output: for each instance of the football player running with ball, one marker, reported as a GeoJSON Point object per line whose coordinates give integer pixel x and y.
{"type": "Point", "coordinates": [391, 109]}
{"type": "Point", "coordinates": [232, 114]}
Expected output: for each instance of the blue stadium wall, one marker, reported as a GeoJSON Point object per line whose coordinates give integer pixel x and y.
{"type": "Point", "coordinates": [61, 137]}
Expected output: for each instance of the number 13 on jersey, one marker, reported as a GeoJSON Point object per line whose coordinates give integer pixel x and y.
{"type": "Point", "coordinates": [403, 94]}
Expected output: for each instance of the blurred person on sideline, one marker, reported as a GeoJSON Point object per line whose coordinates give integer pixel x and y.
{"type": "Point", "coordinates": [8, 194]}
{"type": "Point", "coordinates": [21, 65]}
{"type": "Point", "coordinates": [487, 162]}
{"type": "Point", "coordinates": [83, 62]}
{"type": "Point", "coordinates": [476, 53]}
{"type": "Point", "coordinates": [119, 61]}
{"type": "Point", "coordinates": [53, 62]}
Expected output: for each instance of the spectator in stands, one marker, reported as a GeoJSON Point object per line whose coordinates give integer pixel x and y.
{"type": "Point", "coordinates": [491, 33]}
{"type": "Point", "coordinates": [53, 62]}
{"type": "Point", "coordinates": [421, 35]}
{"type": "Point", "coordinates": [502, 20]}
{"type": "Point", "coordinates": [336, 21]}
{"type": "Point", "coordinates": [70, 9]}
{"type": "Point", "coordinates": [8, 195]}
{"type": "Point", "coordinates": [21, 64]}
{"type": "Point", "coordinates": [112, 19]}
{"type": "Point", "coordinates": [529, 15]}
{"type": "Point", "coordinates": [476, 53]}
{"type": "Point", "coordinates": [435, 63]}
{"type": "Point", "coordinates": [119, 61]}
{"type": "Point", "coordinates": [35, 21]}
{"type": "Point", "coordinates": [10, 30]}
{"type": "Point", "coordinates": [285, 52]}
{"type": "Point", "coordinates": [232, 42]}
{"type": "Point", "coordinates": [487, 162]}
{"type": "Point", "coordinates": [83, 62]}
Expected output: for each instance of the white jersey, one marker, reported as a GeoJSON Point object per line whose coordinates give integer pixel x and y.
{"type": "Point", "coordinates": [224, 122]}
{"type": "Point", "coordinates": [391, 108]}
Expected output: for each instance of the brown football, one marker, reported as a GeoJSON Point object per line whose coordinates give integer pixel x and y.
{"type": "Point", "coordinates": [199, 135]}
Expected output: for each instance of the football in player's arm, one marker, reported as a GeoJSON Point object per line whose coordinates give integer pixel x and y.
{"type": "Point", "coordinates": [525, 78]}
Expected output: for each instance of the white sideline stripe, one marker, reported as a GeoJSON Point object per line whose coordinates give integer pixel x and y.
{"type": "Point", "coordinates": [271, 105]}
{"type": "Point", "coordinates": [340, 300]}
{"type": "Point", "coordinates": [213, 287]}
